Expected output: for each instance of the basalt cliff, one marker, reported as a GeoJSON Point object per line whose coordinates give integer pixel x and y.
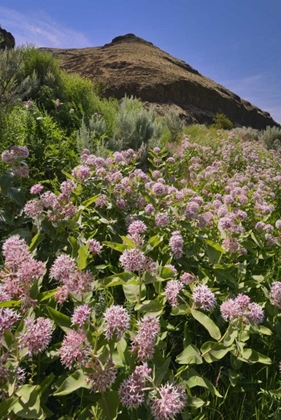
{"type": "Point", "coordinates": [130, 65]}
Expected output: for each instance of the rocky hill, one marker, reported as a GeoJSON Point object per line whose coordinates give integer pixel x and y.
{"type": "Point", "coordinates": [130, 65]}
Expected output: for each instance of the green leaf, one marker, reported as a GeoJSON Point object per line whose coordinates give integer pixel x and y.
{"type": "Point", "coordinates": [214, 251]}
{"type": "Point", "coordinates": [6, 406]}
{"type": "Point", "coordinates": [190, 355]}
{"type": "Point", "coordinates": [116, 246]}
{"type": "Point", "coordinates": [17, 195]}
{"type": "Point", "coordinates": [62, 320]}
{"type": "Point", "coordinates": [10, 303]}
{"type": "Point", "coordinates": [73, 382]}
{"type": "Point", "coordinates": [131, 292]}
{"type": "Point", "coordinates": [36, 240]}
{"type": "Point", "coordinates": [90, 201]}
{"type": "Point", "coordinates": [212, 351]}
{"type": "Point", "coordinates": [207, 323]}
{"type": "Point", "coordinates": [74, 246]}
{"type": "Point", "coordinates": [230, 335]}
{"type": "Point", "coordinates": [28, 405]}
{"type": "Point", "coordinates": [109, 403]}
{"type": "Point", "coordinates": [161, 372]}
{"type": "Point", "coordinates": [197, 380]}
{"type": "Point", "coordinates": [152, 306]}
{"type": "Point", "coordinates": [153, 242]}
{"type": "Point", "coordinates": [82, 257]}
{"type": "Point", "coordinates": [252, 356]}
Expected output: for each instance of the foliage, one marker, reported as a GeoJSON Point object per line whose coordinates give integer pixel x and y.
{"type": "Point", "coordinates": [134, 125]}
{"type": "Point", "coordinates": [247, 133]}
{"type": "Point", "coordinates": [174, 125]}
{"type": "Point", "coordinates": [271, 137]}
{"type": "Point", "coordinates": [222, 122]}
{"type": "Point", "coordinates": [136, 294]}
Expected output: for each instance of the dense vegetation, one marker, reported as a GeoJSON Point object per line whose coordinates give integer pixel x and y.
{"type": "Point", "coordinates": [140, 274]}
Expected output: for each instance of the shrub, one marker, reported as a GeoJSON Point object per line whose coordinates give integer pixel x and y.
{"type": "Point", "coordinates": [134, 125]}
{"type": "Point", "coordinates": [271, 137]}
{"type": "Point", "coordinates": [221, 122]}
{"type": "Point", "coordinates": [174, 125]}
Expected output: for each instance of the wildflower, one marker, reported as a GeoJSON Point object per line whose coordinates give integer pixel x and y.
{"type": "Point", "coordinates": [176, 244]}
{"type": "Point", "coordinates": [101, 378]}
{"type": "Point", "coordinates": [33, 208]}
{"type": "Point", "coordinates": [22, 170]}
{"type": "Point", "coordinates": [61, 294]}
{"type": "Point", "coordinates": [8, 317]}
{"type": "Point", "coordinates": [172, 289]}
{"type": "Point", "coordinates": [161, 219]}
{"type": "Point", "coordinates": [94, 246]}
{"type": "Point", "coordinates": [231, 245]}
{"type": "Point", "coordinates": [133, 260]}
{"type": "Point", "coordinates": [80, 315]}
{"type": "Point", "coordinates": [117, 321]}
{"type": "Point", "coordinates": [63, 268]}
{"type": "Point", "coordinates": [278, 224]}
{"type": "Point", "coordinates": [131, 391]}
{"type": "Point", "coordinates": [187, 278]}
{"type": "Point", "coordinates": [203, 297]}
{"type": "Point", "coordinates": [170, 402]}
{"type": "Point", "coordinates": [67, 187]}
{"type": "Point", "coordinates": [158, 188]}
{"type": "Point", "coordinates": [143, 343]}
{"type": "Point", "coordinates": [74, 349]}
{"type": "Point", "coordinates": [137, 227]}
{"type": "Point", "coordinates": [241, 307]}
{"type": "Point", "coordinates": [81, 172]}
{"type": "Point", "coordinates": [37, 336]}
{"type": "Point", "coordinates": [36, 189]}
{"type": "Point", "coordinates": [275, 294]}
{"type": "Point", "coordinates": [49, 199]}
{"type": "Point", "coordinates": [192, 210]}
{"type": "Point", "coordinates": [149, 209]}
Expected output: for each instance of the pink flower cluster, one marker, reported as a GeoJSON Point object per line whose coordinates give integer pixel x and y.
{"type": "Point", "coordinates": [176, 244]}
{"type": "Point", "coordinates": [143, 343]}
{"type": "Point", "coordinates": [20, 268]}
{"type": "Point", "coordinates": [169, 402]}
{"type": "Point", "coordinates": [203, 297]}
{"type": "Point", "coordinates": [37, 336]}
{"type": "Point", "coordinates": [80, 315]}
{"type": "Point", "coordinates": [74, 281]}
{"type": "Point", "coordinates": [8, 317]}
{"type": "Point", "coordinates": [172, 290]}
{"type": "Point", "coordinates": [131, 391]}
{"type": "Point", "coordinates": [242, 307]}
{"type": "Point", "coordinates": [74, 349]}
{"type": "Point", "coordinates": [117, 321]}
{"type": "Point", "coordinates": [55, 208]}
{"type": "Point", "coordinates": [100, 378]}
{"type": "Point", "coordinates": [275, 294]}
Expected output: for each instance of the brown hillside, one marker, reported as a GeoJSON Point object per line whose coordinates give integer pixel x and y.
{"type": "Point", "coordinates": [130, 65]}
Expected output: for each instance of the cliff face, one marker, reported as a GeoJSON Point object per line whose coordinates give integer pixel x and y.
{"type": "Point", "coordinates": [130, 65]}
{"type": "Point", "coordinates": [6, 40]}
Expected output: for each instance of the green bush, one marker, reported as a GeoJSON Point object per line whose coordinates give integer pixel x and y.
{"type": "Point", "coordinates": [174, 125]}
{"type": "Point", "coordinates": [271, 137]}
{"type": "Point", "coordinates": [134, 125]}
{"type": "Point", "coordinates": [221, 122]}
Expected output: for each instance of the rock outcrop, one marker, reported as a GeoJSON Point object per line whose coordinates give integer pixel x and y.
{"type": "Point", "coordinates": [130, 65]}
{"type": "Point", "coordinates": [6, 40]}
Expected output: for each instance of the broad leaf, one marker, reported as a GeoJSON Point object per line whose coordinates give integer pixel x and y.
{"type": "Point", "coordinates": [73, 382]}
{"type": "Point", "coordinates": [190, 355]}
{"type": "Point", "coordinates": [207, 323]}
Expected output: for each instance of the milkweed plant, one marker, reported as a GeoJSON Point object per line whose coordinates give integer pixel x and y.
{"type": "Point", "coordinates": [132, 294]}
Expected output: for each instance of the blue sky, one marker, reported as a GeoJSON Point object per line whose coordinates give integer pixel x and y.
{"type": "Point", "coordinates": [236, 43]}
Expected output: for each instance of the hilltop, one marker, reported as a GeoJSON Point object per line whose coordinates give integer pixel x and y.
{"type": "Point", "coordinates": [133, 66]}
